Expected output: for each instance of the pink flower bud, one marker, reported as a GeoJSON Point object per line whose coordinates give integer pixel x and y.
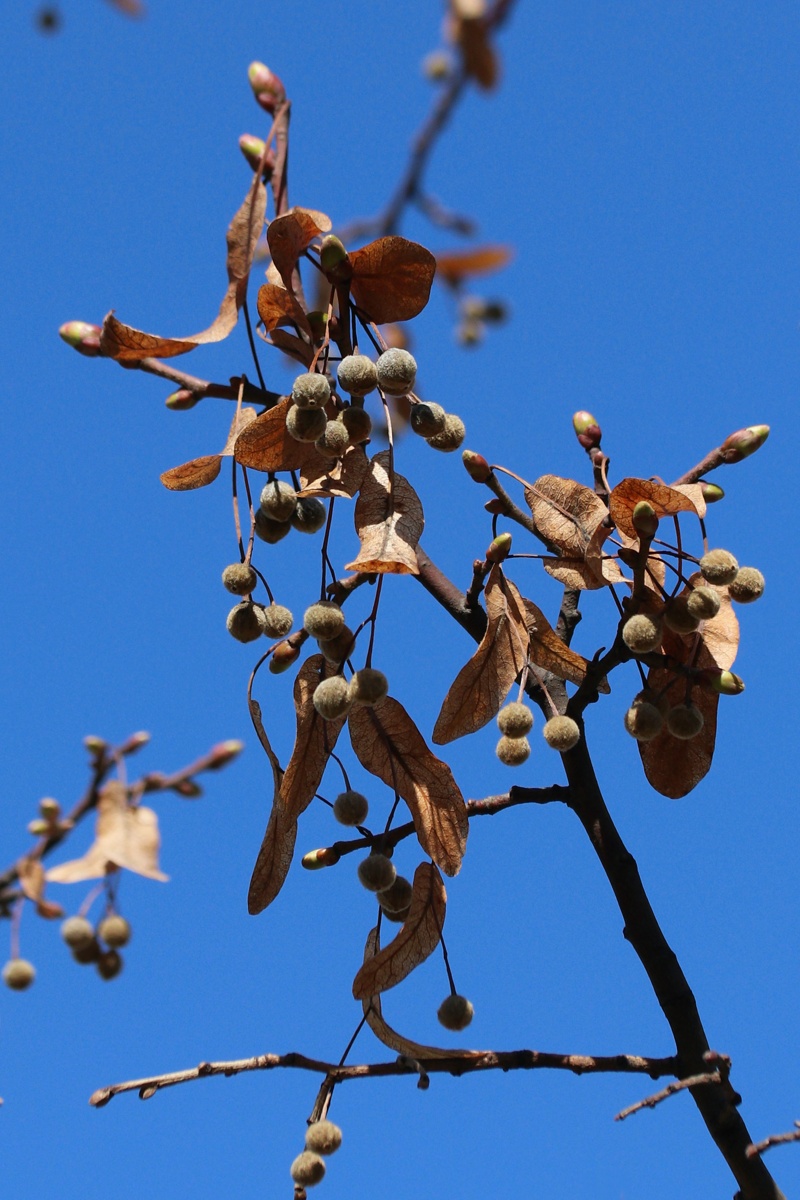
{"type": "Point", "coordinates": [587, 430]}
{"type": "Point", "coordinates": [82, 336]}
{"type": "Point", "coordinates": [744, 442]}
{"type": "Point", "coordinates": [476, 466]}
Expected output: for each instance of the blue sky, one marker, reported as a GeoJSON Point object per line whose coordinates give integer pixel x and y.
{"type": "Point", "coordinates": [642, 161]}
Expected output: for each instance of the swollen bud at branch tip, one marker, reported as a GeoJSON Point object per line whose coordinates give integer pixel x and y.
{"type": "Point", "coordinates": [95, 745]}
{"type": "Point", "coordinates": [712, 492]}
{"type": "Point", "coordinates": [744, 442]}
{"type": "Point", "coordinates": [334, 259]}
{"type": "Point", "coordinates": [499, 549]}
{"type": "Point", "coordinates": [283, 656]}
{"type": "Point", "coordinates": [644, 519]}
{"type": "Point", "coordinates": [476, 466]}
{"type": "Point", "coordinates": [82, 336]}
{"type": "Point", "coordinates": [252, 148]}
{"type": "Point", "coordinates": [135, 742]}
{"type": "Point", "coordinates": [182, 400]}
{"type": "Point", "coordinates": [315, 860]}
{"type": "Point", "coordinates": [725, 682]}
{"type": "Point", "coordinates": [266, 85]}
{"type": "Point", "coordinates": [587, 430]}
{"type": "Point", "coordinates": [223, 753]}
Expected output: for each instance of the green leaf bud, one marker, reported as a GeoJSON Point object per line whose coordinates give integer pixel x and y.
{"type": "Point", "coordinates": [437, 66]}
{"type": "Point", "coordinates": [644, 519]}
{"type": "Point", "coordinates": [744, 442]}
{"type": "Point", "coordinates": [239, 578]}
{"type": "Point", "coordinates": [456, 1013]}
{"type": "Point", "coordinates": [746, 586]}
{"type": "Point", "coordinates": [499, 548]}
{"type": "Point", "coordinates": [39, 828]}
{"type": "Point", "coordinates": [725, 683]}
{"type": "Point", "coordinates": [82, 336]}
{"type": "Point", "coordinates": [397, 372]}
{"type": "Point", "coordinates": [587, 430]}
{"type": "Point", "coordinates": [712, 492]}
{"type": "Point", "coordinates": [334, 259]}
{"type": "Point", "coordinates": [562, 733]}
{"type": "Point", "coordinates": [315, 860]}
{"type": "Point", "coordinates": [182, 400]}
{"type": "Point", "coordinates": [224, 753]}
{"type": "Point", "coordinates": [253, 149]}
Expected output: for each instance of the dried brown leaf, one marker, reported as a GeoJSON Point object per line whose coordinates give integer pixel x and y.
{"type": "Point", "coordinates": [548, 651]}
{"type": "Point", "coordinates": [125, 836]}
{"type": "Point", "coordinates": [416, 939]}
{"type": "Point", "coordinates": [293, 346]}
{"type": "Point", "coordinates": [277, 307]}
{"type": "Point", "coordinates": [195, 474]}
{"type": "Point", "coordinates": [382, 1030]}
{"type": "Point", "coordinates": [342, 478]}
{"type": "Point", "coordinates": [389, 521]}
{"type": "Point", "coordinates": [241, 419]}
{"type": "Point", "coordinates": [266, 445]}
{"type": "Point", "coordinates": [388, 744]}
{"type": "Point", "coordinates": [49, 910]}
{"type": "Point", "coordinates": [129, 345]}
{"type": "Point", "coordinates": [693, 492]}
{"type": "Point", "coordinates": [582, 576]}
{"type": "Point", "coordinates": [392, 278]}
{"type": "Point", "coordinates": [453, 266]}
{"type": "Point", "coordinates": [566, 513]}
{"type": "Point", "coordinates": [721, 634]}
{"type": "Point", "coordinates": [290, 234]}
{"type": "Point", "coordinates": [480, 60]}
{"type": "Point", "coordinates": [277, 847]}
{"type": "Point", "coordinates": [673, 766]}
{"type": "Point", "coordinates": [31, 877]}
{"type": "Point", "coordinates": [665, 500]}
{"type": "Point", "coordinates": [314, 741]}
{"type": "Point", "coordinates": [478, 691]}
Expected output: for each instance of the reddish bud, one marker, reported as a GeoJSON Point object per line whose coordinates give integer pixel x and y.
{"type": "Point", "coordinates": [476, 466]}
{"type": "Point", "coordinates": [499, 549]}
{"type": "Point", "coordinates": [253, 149]}
{"type": "Point", "coordinates": [135, 742]}
{"type": "Point", "coordinates": [188, 789]}
{"type": "Point", "coordinates": [315, 860]}
{"type": "Point", "coordinates": [266, 85]}
{"type": "Point", "coordinates": [223, 753]}
{"type": "Point", "coordinates": [744, 442]}
{"type": "Point", "coordinates": [587, 430]}
{"type": "Point", "coordinates": [712, 492]}
{"type": "Point", "coordinates": [495, 506]}
{"type": "Point", "coordinates": [644, 519]}
{"type": "Point", "coordinates": [283, 656]}
{"type": "Point", "coordinates": [82, 336]}
{"type": "Point", "coordinates": [182, 400]}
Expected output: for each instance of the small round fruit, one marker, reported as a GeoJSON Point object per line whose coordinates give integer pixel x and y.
{"type": "Point", "coordinates": [77, 931]}
{"type": "Point", "coordinates": [268, 530]}
{"type": "Point", "coordinates": [337, 649]}
{"type": "Point", "coordinates": [398, 917]}
{"type": "Point", "coordinates": [357, 375]}
{"type": "Point", "coordinates": [114, 931]}
{"type": "Point", "coordinates": [368, 686]}
{"type": "Point", "coordinates": [278, 620]}
{"type": "Point", "coordinates": [641, 633]}
{"type": "Point", "coordinates": [311, 391]}
{"type": "Point", "coordinates": [427, 419]}
{"type": "Point", "coordinates": [109, 964]}
{"type": "Point", "coordinates": [49, 808]}
{"type": "Point", "coordinates": [278, 500]}
{"type": "Point", "coordinates": [513, 751]}
{"type": "Point", "coordinates": [358, 424]}
{"type": "Point", "coordinates": [452, 436]}
{"type": "Point", "coordinates": [685, 721]}
{"type": "Point", "coordinates": [456, 1012]}
{"type": "Point", "coordinates": [397, 898]}
{"type": "Point", "coordinates": [87, 952]}
{"type": "Point", "coordinates": [323, 620]}
{"type": "Point", "coordinates": [703, 603]}
{"type": "Point", "coordinates": [309, 515]}
{"type": "Point", "coordinates": [376, 872]}
{"type": "Point", "coordinates": [240, 579]}
{"type": "Point", "coordinates": [18, 974]}
{"type": "Point", "coordinates": [719, 566]}
{"type": "Point", "coordinates": [334, 439]}
{"type": "Point", "coordinates": [397, 370]}
{"type": "Point", "coordinates": [305, 424]}
{"type": "Point", "coordinates": [747, 586]}
{"type": "Point", "coordinates": [308, 1169]}
{"type": "Point", "coordinates": [246, 622]}
{"type": "Point", "coordinates": [678, 617]}
{"type": "Point", "coordinates": [562, 733]}
{"type": "Point", "coordinates": [643, 721]}
{"type": "Point", "coordinates": [332, 698]}
{"type": "Point", "coordinates": [515, 720]}
{"type": "Point", "coordinates": [351, 808]}
{"type": "Point", "coordinates": [323, 1137]}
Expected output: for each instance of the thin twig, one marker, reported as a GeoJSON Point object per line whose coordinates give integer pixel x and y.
{"type": "Point", "coordinates": [670, 1090]}
{"type": "Point", "coordinates": [775, 1139]}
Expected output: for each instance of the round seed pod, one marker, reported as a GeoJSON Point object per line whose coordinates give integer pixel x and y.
{"type": "Point", "coordinates": [278, 500]}
{"type": "Point", "coordinates": [719, 566]}
{"type": "Point", "coordinates": [396, 370]}
{"type": "Point", "coordinates": [376, 872]}
{"type": "Point", "coordinates": [333, 440]}
{"type": "Point", "coordinates": [309, 515]}
{"type": "Point", "coordinates": [351, 808]}
{"type": "Point", "coordinates": [703, 603]}
{"type": "Point", "coordinates": [657, 699]}
{"type": "Point", "coordinates": [562, 733]}
{"type": "Point", "coordinates": [323, 1137]}
{"type": "Point", "coordinates": [311, 391]}
{"type": "Point", "coordinates": [358, 424]}
{"type": "Point", "coordinates": [747, 586]}
{"type": "Point", "coordinates": [515, 720]}
{"type": "Point", "coordinates": [332, 698]}
{"type": "Point", "coordinates": [246, 621]}
{"type": "Point", "coordinates": [427, 419]}
{"type": "Point", "coordinates": [684, 721]}
{"type": "Point", "coordinates": [643, 721]}
{"type": "Point", "coordinates": [323, 620]}
{"type": "Point", "coordinates": [368, 686]}
{"type": "Point", "coordinates": [399, 916]}
{"type": "Point", "coordinates": [357, 375]}
{"type": "Point", "coordinates": [114, 931]}
{"type": "Point", "coordinates": [87, 952]}
{"type": "Point", "coordinates": [109, 964]}
{"type": "Point", "coordinates": [305, 424]}
{"type": "Point", "coordinates": [456, 1013]}
{"type": "Point", "coordinates": [307, 1169]}
{"type": "Point", "coordinates": [337, 649]}
{"type": "Point", "coordinates": [239, 578]}
{"type": "Point", "coordinates": [397, 898]}
{"type": "Point", "coordinates": [642, 633]}
{"type": "Point", "coordinates": [451, 436]}
{"type": "Point", "coordinates": [18, 974]}
{"type": "Point", "coordinates": [268, 530]}
{"type": "Point", "coordinates": [678, 617]}
{"type": "Point", "coordinates": [278, 620]}
{"type": "Point", "coordinates": [77, 931]}
{"type": "Point", "coordinates": [513, 751]}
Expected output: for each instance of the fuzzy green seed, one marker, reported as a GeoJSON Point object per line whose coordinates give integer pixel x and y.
{"type": "Point", "coordinates": [278, 620]}
{"type": "Point", "coordinates": [397, 371]}
{"type": "Point", "coordinates": [678, 617]}
{"type": "Point", "coordinates": [268, 530]}
{"type": "Point", "coordinates": [358, 424]}
{"type": "Point", "coordinates": [114, 931]}
{"type": "Point", "coordinates": [77, 931]}
{"type": "Point", "coordinates": [397, 898]}
{"type": "Point", "coordinates": [334, 439]}
{"type": "Point", "coordinates": [643, 721]}
{"type": "Point", "coordinates": [307, 1169]}
{"type": "Point", "coordinates": [305, 424]}
{"type": "Point", "coordinates": [309, 515]}
{"type": "Point", "coordinates": [18, 974]}
{"type": "Point", "coordinates": [703, 603]}
{"type": "Point", "coordinates": [337, 649]}
{"type": "Point", "coordinates": [427, 419]}
{"type": "Point", "coordinates": [246, 621]}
